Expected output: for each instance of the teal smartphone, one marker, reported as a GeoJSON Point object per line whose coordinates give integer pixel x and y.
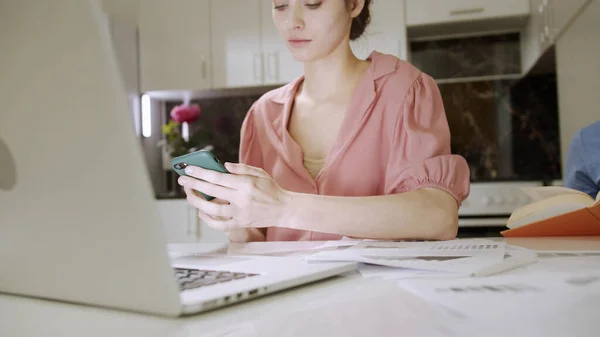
{"type": "Point", "coordinates": [202, 158]}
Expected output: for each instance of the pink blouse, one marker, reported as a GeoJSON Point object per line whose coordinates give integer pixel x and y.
{"type": "Point", "coordinates": [394, 138]}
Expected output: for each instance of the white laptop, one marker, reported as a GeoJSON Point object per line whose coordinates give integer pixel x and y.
{"type": "Point", "coordinates": [78, 221]}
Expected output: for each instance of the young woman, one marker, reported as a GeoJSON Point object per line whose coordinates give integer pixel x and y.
{"type": "Point", "coordinates": [356, 148]}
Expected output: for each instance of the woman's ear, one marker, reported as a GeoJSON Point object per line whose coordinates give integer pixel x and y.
{"type": "Point", "coordinates": [356, 7]}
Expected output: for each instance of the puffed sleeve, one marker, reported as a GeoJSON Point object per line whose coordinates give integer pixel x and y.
{"type": "Point", "coordinates": [250, 152]}
{"type": "Point", "coordinates": [420, 150]}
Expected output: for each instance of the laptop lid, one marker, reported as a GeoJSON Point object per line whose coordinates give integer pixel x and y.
{"type": "Point", "coordinates": [78, 219]}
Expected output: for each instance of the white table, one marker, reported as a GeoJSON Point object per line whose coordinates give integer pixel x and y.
{"type": "Point", "coordinates": [349, 305]}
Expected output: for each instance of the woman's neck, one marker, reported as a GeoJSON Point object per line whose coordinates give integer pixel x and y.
{"type": "Point", "coordinates": [337, 73]}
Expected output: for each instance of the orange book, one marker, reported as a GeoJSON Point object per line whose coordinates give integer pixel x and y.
{"type": "Point", "coordinates": [555, 211]}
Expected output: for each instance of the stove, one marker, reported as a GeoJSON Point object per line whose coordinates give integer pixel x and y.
{"type": "Point", "coordinates": [490, 204]}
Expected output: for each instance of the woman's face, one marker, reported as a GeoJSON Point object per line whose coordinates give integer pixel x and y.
{"type": "Point", "coordinates": [313, 29]}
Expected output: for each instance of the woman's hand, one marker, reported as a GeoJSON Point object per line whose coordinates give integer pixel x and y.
{"type": "Point", "coordinates": [248, 197]}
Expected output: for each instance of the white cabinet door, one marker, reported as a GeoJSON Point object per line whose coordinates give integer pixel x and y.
{"type": "Point", "coordinates": [176, 218]}
{"type": "Point", "coordinates": [182, 225]}
{"type": "Point", "coordinates": [562, 12]}
{"type": "Point", "coordinates": [425, 12]}
{"type": "Point", "coordinates": [548, 20]}
{"type": "Point", "coordinates": [386, 33]}
{"type": "Point", "coordinates": [209, 234]}
{"type": "Point", "coordinates": [174, 42]}
{"type": "Point", "coordinates": [123, 10]}
{"type": "Point", "coordinates": [235, 29]}
{"type": "Point", "coordinates": [280, 66]}
{"type": "Point", "coordinates": [534, 41]}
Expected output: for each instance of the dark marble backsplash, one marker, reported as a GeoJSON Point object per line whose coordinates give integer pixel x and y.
{"type": "Point", "coordinates": [506, 126]}
{"type": "Point", "coordinates": [506, 129]}
{"type": "Point", "coordinates": [535, 127]}
{"type": "Point", "coordinates": [468, 56]}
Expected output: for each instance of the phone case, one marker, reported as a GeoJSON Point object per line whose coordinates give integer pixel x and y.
{"type": "Point", "coordinates": [202, 158]}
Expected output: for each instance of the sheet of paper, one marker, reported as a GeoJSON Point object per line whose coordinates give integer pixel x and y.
{"type": "Point", "coordinates": [381, 309]}
{"type": "Point", "coordinates": [536, 304]}
{"type": "Point", "coordinates": [287, 248]}
{"type": "Point", "coordinates": [514, 258]}
{"type": "Point", "coordinates": [457, 256]}
{"type": "Point", "coordinates": [392, 273]}
{"type": "Point", "coordinates": [563, 262]}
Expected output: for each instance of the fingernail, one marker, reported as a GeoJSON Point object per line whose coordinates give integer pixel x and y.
{"type": "Point", "coordinates": [181, 181]}
{"type": "Point", "coordinates": [189, 170]}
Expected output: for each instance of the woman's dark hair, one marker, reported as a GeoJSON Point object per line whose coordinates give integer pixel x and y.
{"type": "Point", "coordinates": [360, 23]}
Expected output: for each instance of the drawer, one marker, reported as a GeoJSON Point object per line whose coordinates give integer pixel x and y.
{"type": "Point", "coordinates": [431, 12]}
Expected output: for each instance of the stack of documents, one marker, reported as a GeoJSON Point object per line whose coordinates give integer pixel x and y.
{"type": "Point", "coordinates": [476, 257]}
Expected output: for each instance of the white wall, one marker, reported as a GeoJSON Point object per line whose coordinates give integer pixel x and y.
{"type": "Point", "coordinates": [578, 72]}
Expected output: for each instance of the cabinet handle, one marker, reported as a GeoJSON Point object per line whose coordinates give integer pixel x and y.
{"type": "Point", "coordinates": [258, 66]}
{"type": "Point", "coordinates": [188, 228]}
{"type": "Point", "coordinates": [193, 224]}
{"type": "Point", "coordinates": [203, 65]}
{"type": "Point", "coordinates": [550, 30]}
{"type": "Point", "coordinates": [273, 66]}
{"type": "Point", "coordinates": [198, 229]}
{"type": "Point", "coordinates": [467, 11]}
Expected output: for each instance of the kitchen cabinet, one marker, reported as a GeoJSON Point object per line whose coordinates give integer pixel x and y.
{"type": "Point", "coordinates": [534, 37]}
{"type": "Point", "coordinates": [235, 45]}
{"type": "Point", "coordinates": [174, 44]}
{"type": "Point", "coordinates": [561, 13]}
{"type": "Point", "coordinates": [191, 45]}
{"type": "Point", "coordinates": [122, 10]}
{"type": "Point", "coordinates": [548, 20]}
{"type": "Point", "coordinates": [428, 12]}
{"type": "Point", "coordinates": [386, 32]}
{"type": "Point", "coordinates": [182, 225]}
{"type": "Point", "coordinates": [246, 47]}
{"type": "Point", "coordinates": [177, 219]}
{"type": "Point", "coordinates": [279, 65]}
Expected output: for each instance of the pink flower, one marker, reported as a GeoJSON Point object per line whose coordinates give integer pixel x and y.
{"type": "Point", "coordinates": [185, 113]}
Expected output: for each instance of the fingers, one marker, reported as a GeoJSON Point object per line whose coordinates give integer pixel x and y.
{"type": "Point", "coordinates": [207, 207]}
{"type": "Point", "coordinates": [221, 201]}
{"type": "Point", "coordinates": [214, 177]}
{"type": "Point", "coordinates": [241, 169]}
{"type": "Point", "coordinates": [216, 191]}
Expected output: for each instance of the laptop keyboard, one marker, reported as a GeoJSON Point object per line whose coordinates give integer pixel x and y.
{"type": "Point", "coordinates": [196, 278]}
